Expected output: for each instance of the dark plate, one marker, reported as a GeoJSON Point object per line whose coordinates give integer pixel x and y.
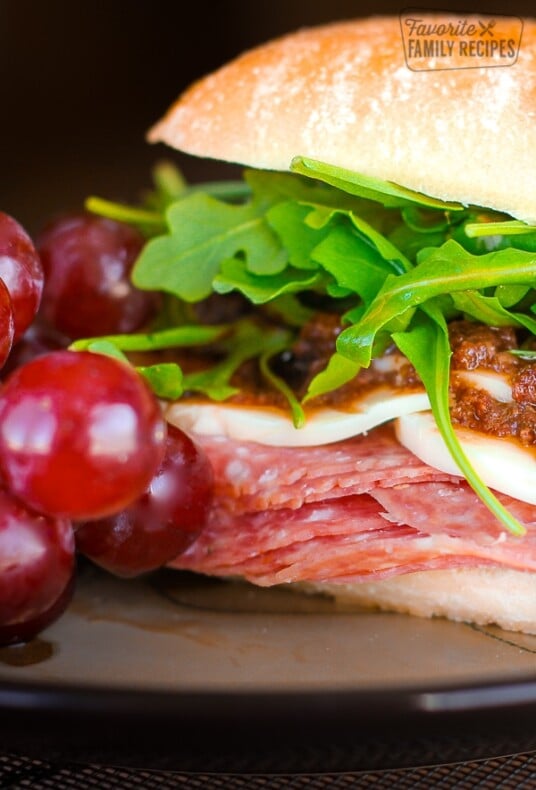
{"type": "Point", "coordinates": [191, 674]}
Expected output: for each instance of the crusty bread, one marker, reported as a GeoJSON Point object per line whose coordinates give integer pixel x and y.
{"type": "Point", "coordinates": [343, 93]}
{"type": "Point", "coordinates": [499, 596]}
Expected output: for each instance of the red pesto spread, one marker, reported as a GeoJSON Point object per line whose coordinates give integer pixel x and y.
{"type": "Point", "coordinates": [309, 356]}
{"type": "Point", "coordinates": [479, 347]}
{"type": "Point", "coordinates": [474, 347]}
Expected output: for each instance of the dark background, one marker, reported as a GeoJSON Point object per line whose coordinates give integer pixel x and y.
{"type": "Point", "coordinates": [81, 82]}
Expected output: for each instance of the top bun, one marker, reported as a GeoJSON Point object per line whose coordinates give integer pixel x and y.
{"type": "Point", "coordinates": [343, 94]}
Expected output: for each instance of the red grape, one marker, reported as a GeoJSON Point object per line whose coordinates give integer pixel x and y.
{"type": "Point", "coordinates": [36, 569]}
{"type": "Point", "coordinates": [7, 323]}
{"type": "Point", "coordinates": [162, 522]}
{"type": "Point", "coordinates": [21, 271]}
{"type": "Point", "coordinates": [81, 434]}
{"type": "Point", "coordinates": [87, 261]}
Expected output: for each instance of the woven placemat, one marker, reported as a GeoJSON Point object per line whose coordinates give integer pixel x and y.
{"type": "Point", "coordinates": [513, 772]}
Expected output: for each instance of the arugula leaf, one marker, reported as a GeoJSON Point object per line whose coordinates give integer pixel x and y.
{"type": "Point", "coordinates": [149, 222]}
{"type": "Point", "coordinates": [338, 371]}
{"type": "Point", "coordinates": [169, 183]}
{"type": "Point", "coordinates": [299, 239]}
{"type": "Point", "coordinates": [103, 346]}
{"type": "Point", "coordinates": [387, 249]}
{"type": "Point", "coordinates": [355, 264]}
{"type": "Point", "coordinates": [166, 379]}
{"type": "Point", "coordinates": [247, 342]}
{"type": "Point", "coordinates": [203, 232]}
{"type": "Point", "coordinates": [427, 347]}
{"type": "Point", "coordinates": [524, 353]}
{"type": "Point", "coordinates": [234, 276]}
{"type": "Point", "coordinates": [489, 310]}
{"type": "Point", "coordinates": [298, 415]}
{"type": "Point", "coordinates": [510, 295]}
{"type": "Point", "coordinates": [321, 216]}
{"type": "Point", "coordinates": [272, 188]}
{"type": "Point", "coordinates": [411, 242]}
{"type": "Point", "coordinates": [338, 291]}
{"type": "Point", "coordinates": [445, 270]}
{"type": "Point", "coordinates": [179, 336]}
{"type": "Point", "coordinates": [422, 220]}
{"type": "Point", "coordinates": [170, 186]}
{"type": "Point", "coordinates": [512, 227]}
{"type": "Point", "coordinates": [385, 192]}
{"type": "Point", "coordinates": [289, 310]}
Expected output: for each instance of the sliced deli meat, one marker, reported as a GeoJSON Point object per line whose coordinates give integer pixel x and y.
{"type": "Point", "coordinates": [344, 540]}
{"type": "Point", "coordinates": [353, 511]}
{"type": "Point", "coordinates": [453, 509]}
{"type": "Point", "coordinates": [251, 476]}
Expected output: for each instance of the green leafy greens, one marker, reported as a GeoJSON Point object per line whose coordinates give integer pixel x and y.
{"type": "Point", "coordinates": [396, 265]}
{"type": "Point", "coordinates": [445, 270]}
{"type": "Point", "coordinates": [426, 345]}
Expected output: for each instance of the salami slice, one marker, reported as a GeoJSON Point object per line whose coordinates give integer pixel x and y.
{"type": "Point", "coordinates": [343, 540]}
{"type": "Point", "coordinates": [356, 510]}
{"type": "Point", "coordinates": [453, 509]}
{"type": "Point", "coordinates": [251, 477]}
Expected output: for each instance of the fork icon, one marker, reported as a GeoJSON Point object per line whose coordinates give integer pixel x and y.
{"type": "Point", "coordinates": [487, 28]}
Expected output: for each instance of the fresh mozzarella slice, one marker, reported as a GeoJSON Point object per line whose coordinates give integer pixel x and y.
{"type": "Point", "coordinates": [495, 384]}
{"type": "Point", "coordinates": [271, 426]}
{"type": "Point", "coordinates": [502, 464]}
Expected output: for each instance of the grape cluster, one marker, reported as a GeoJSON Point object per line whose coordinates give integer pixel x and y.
{"type": "Point", "coordinates": [87, 462]}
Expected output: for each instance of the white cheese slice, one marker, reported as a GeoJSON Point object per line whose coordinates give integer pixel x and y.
{"type": "Point", "coordinates": [496, 385]}
{"type": "Point", "coordinates": [272, 426]}
{"type": "Point", "coordinates": [502, 464]}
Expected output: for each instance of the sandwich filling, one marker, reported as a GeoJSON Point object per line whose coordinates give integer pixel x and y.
{"type": "Point", "coordinates": [358, 362]}
{"type": "Point", "coordinates": [378, 502]}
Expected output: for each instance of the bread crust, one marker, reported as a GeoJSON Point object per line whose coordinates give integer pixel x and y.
{"type": "Point", "coordinates": [498, 596]}
{"type": "Point", "coordinates": [343, 93]}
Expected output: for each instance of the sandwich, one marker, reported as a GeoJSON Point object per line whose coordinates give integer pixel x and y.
{"type": "Point", "coordinates": [365, 386]}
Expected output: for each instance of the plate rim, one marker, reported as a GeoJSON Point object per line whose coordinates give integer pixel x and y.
{"type": "Point", "coordinates": [262, 731]}
{"type": "Point", "coordinates": [498, 695]}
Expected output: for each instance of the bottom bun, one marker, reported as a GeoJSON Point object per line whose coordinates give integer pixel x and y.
{"type": "Point", "coordinates": [477, 595]}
